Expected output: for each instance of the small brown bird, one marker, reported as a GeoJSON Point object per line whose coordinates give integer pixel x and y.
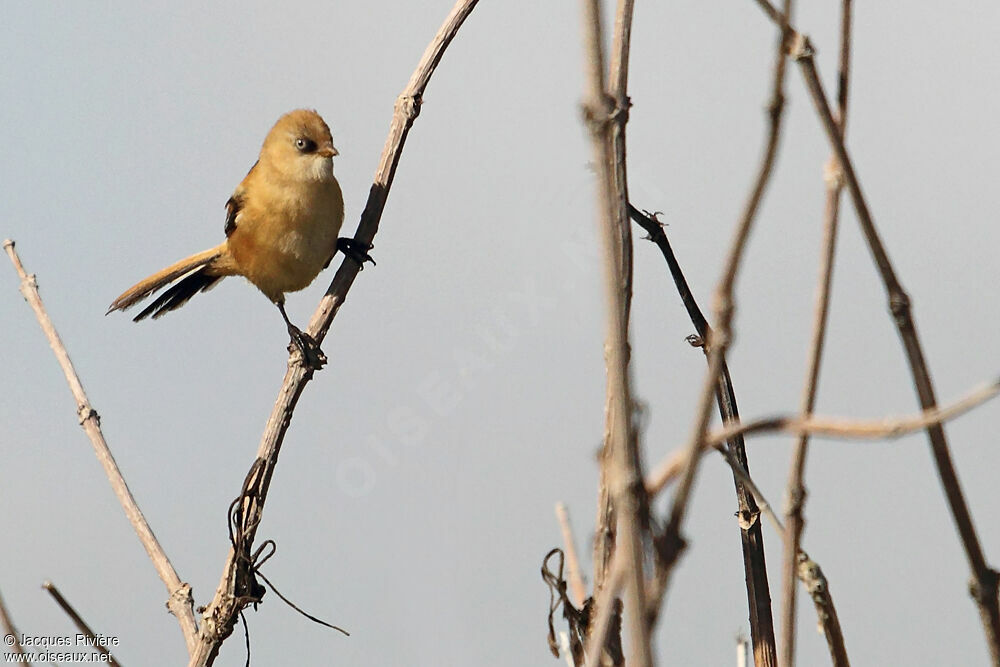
{"type": "Point", "coordinates": [281, 228]}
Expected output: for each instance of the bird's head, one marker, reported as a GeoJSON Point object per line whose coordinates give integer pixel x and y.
{"type": "Point", "coordinates": [300, 147]}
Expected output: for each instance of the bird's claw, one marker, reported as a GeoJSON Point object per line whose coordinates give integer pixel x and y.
{"type": "Point", "coordinates": [312, 355]}
{"type": "Point", "coordinates": [353, 248]}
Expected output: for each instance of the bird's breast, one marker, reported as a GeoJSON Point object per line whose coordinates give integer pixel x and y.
{"type": "Point", "coordinates": [285, 236]}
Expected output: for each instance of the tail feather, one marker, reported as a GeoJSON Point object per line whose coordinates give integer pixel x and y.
{"type": "Point", "coordinates": [179, 294]}
{"type": "Point", "coordinates": [198, 272]}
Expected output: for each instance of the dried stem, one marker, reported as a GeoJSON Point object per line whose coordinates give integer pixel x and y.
{"type": "Point", "coordinates": [752, 540]}
{"type": "Point", "coordinates": [606, 610]}
{"type": "Point", "coordinates": [985, 583]}
{"type": "Point", "coordinates": [796, 492]}
{"type": "Point", "coordinates": [808, 570]}
{"type": "Point", "coordinates": [179, 603]}
{"type": "Point", "coordinates": [605, 533]}
{"type": "Point", "coordinates": [573, 572]}
{"type": "Point", "coordinates": [7, 625]}
{"type": "Point", "coordinates": [812, 577]}
{"type": "Point", "coordinates": [889, 428]}
{"type": "Point", "coordinates": [79, 623]}
{"type": "Point", "coordinates": [671, 542]}
{"type": "Point", "coordinates": [625, 475]}
{"type": "Point", "coordinates": [221, 614]}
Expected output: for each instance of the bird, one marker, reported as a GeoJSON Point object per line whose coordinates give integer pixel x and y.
{"type": "Point", "coordinates": [282, 226]}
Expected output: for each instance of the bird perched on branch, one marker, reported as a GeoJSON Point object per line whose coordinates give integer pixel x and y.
{"type": "Point", "coordinates": [281, 229]}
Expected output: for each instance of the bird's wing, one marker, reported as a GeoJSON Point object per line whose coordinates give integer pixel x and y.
{"type": "Point", "coordinates": [233, 207]}
{"type": "Point", "coordinates": [235, 204]}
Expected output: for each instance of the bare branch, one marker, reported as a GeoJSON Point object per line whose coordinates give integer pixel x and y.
{"type": "Point", "coordinates": [671, 542]}
{"type": "Point", "coordinates": [179, 603]}
{"type": "Point", "coordinates": [985, 584]}
{"type": "Point", "coordinates": [605, 533]}
{"type": "Point", "coordinates": [574, 573]}
{"type": "Point", "coordinates": [888, 428]}
{"type": "Point", "coordinates": [7, 623]}
{"type": "Point", "coordinates": [221, 614]}
{"type": "Point", "coordinates": [808, 570]}
{"type": "Point", "coordinates": [796, 492]}
{"type": "Point", "coordinates": [79, 622]}
{"type": "Point", "coordinates": [751, 538]}
{"type": "Point", "coordinates": [625, 476]}
{"type": "Point", "coordinates": [606, 610]}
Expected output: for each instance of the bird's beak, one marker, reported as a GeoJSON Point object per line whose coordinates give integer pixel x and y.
{"type": "Point", "coordinates": [328, 151]}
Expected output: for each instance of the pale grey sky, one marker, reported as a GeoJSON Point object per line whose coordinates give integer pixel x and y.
{"type": "Point", "coordinates": [421, 527]}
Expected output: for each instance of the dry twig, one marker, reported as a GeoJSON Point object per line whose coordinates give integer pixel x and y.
{"type": "Point", "coordinates": [671, 542]}
{"type": "Point", "coordinates": [796, 492]}
{"type": "Point", "coordinates": [834, 427]}
{"type": "Point", "coordinates": [625, 473]}
{"type": "Point", "coordinates": [573, 572]}
{"type": "Point", "coordinates": [985, 582]}
{"type": "Point", "coordinates": [179, 603]}
{"type": "Point", "coordinates": [605, 531]}
{"type": "Point", "coordinates": [751, 538]}
{"type": "Point", "coordinates": [7, 625]}
{"type": "Point", "coordinates": [80, 623]}
{"type": "Point", "coordinates": [220, 616]}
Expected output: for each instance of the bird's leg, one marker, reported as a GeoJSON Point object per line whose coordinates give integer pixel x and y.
{"type": "Point", "coordinates": [311, 354]}
{"type": "Point", "coordinates": [353, 248]}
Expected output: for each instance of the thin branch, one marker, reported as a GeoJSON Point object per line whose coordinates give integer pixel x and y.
{"type": "Point", "coordinates": [808, 570]}
{"type": "Point", "coordinates": [888, 428]}
{"type": "Point", "coordinates": [7, 625]}
{"type": "Point", "coordinates": [671, 542]}
{"type": "Point", "coordinates": [80, 623]}
{"type": "Point", "coordinates": [606, 611]}
{"type": "Point", "coordinates": [221, 614]}
{"type": "Point", "coordinates": [986, 580]}
{"type": "Point", "coordinates": [618, 89]}
{"type": "Point", "coordinates": [796, 492]}
{"type": "Point", "coordinates": [573, 572]}
{"type": "Point", "coordinates": [751, 538]}
{"type": "Point", "coordinates": [605, 532]}
{"type": "Point", "coordinates": [625, 478]}
{"type": "Point", "coordinates": [179, 603]}
{"type": "Point", "coordinates": [811, 575]}
{"type": "Point", "coordinates": [985, 583]}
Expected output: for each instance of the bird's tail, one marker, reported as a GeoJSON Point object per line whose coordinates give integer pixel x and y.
{"type": "Point", "coordinates": [197, 273]}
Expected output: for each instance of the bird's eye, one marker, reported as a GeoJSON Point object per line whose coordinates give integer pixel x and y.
{"type": "Point", "coordinates": [305, 145]}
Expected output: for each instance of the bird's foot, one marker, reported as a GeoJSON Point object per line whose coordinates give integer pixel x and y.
{"type": "Point", "coordinates": [355, 250]}
{"type": "Point", "coordinates": [312, 355]}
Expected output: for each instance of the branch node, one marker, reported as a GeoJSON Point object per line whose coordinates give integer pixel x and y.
{"type": "Point", "coordinates": [833, 174]}
{"type": "Point", "coordinates": [747, 519]}
{"type": "Point", "coordinates": [983, 587]}
{"type": "Point", "coordinates": [619, 114]}
{"type": "Point", "coordinates": [408, 106]}
{"type": "Point", "coordinates": [85, 413]}
{"type": "Point", "coordinates": [694, 340]}
{"type": "Point", "coordinates": [598, 114]}
{"type": "Point", "coordinates": [801, 48]}
{"type": "Point", "coordinates": [811, 575]}
{"type": "Point", "coordinates": [794, 500]}
{"type": "Point", "coordinates": [899, 306]}
{"type": "Point", "coordinates": [181, 596]}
